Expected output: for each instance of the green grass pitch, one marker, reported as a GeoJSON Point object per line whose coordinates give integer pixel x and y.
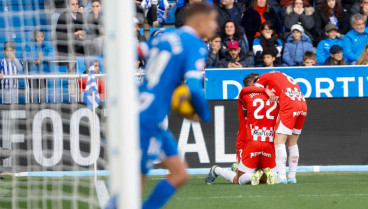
{"type": "Point", "coordinates": [313, 191]}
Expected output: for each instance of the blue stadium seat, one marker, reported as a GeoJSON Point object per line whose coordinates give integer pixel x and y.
{"type": "Point", "coordinates": [83, 61]}
{"type": "Point", "coordinates": [81, 65]}
{"type": "Point", "coordinates": [3, 21]}
{"type": "Point", "coordinates": [171, 16]}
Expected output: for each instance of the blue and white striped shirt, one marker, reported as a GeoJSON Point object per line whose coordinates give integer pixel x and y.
{"type": "Point", "coordinates": [10, 67]}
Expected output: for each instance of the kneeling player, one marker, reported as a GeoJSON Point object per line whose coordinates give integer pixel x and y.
{"type": "Point", "coordinates": [242, 116]}
{"type": "Point", "coordinates": [258, 151]}
{"type": "Point", "coordinates": [292, 114]}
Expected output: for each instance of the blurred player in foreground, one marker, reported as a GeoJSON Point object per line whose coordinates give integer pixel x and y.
{"type": "Point", "coordinates": [258, 151]}
{"type": "Point", "coordinates": [171, 59]}
{"type": "Point", "coordinates": [292, 114]}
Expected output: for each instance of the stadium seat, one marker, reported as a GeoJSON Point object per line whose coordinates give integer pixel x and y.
{"type": "Point", "coordinates": [85, 62]}
{"type": "Point", "coordinates": [171, 16]}
{"type": "Point", "coordinates": [81, 65]}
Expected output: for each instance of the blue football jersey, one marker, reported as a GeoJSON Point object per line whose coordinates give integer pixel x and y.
{"type": "Point", "coordinates": [172, 58]}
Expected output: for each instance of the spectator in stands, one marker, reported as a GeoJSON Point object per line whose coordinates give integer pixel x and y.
{"type": "Point", "coordinates": [179, 13]}
{"type": "Point", "coordinates": [95, 24]}
{"type": "Point", "coordinates": [269, 57]}
{"type": "Point", "coordinates": [156, 11]}
{"type": "Point", "coordinates": [323, 48]}
{"type": "Point", "coordinates": [287, 3]}
{"type": "Point", "coordinates": [256, 15]}
{"type": "Point", "coordinates": [70, 32]}
{"type": "Point", "coordinates": [228, 10]}
{"type": "Point", "coordinates": [309, 59]}
{"type": "Point", "coordinates": [348, 4]}
{"type": "Point", "coordinates": [38, 53]}
{"type": "Point", "coordinates": [336, 57]}
{"type": "Point", "coordinates": [140, 37]}
{"type": "Point", "coordinates": [139, 11]}
{"type": "Point", "coordinates": [355, 40]}
{"type": "Point", "coordinates": [10, 65]}
{"type": "Point", "coordinates": [330, 12]}
{"type": "Point", "coordinates": [266, 40]}
{"type": "Point", "coordinates": [213, 57]}
{"type": "Point", "coordinates": [94, 19]}
{"type": "Point", "coordinates": [100, 81]}
{"type": "Point", "coordinates": [235, 58]}
{"type": "Point", "coordinates": [361, 8]}
{"type": "Point", "coordinates": [363, 59]}
{"type": "Point", "coordinates": [298, 13]}
{"type": "Point", "coordinates": [296, 45]}
{"type": "Point", "coordinates": [231, 31]}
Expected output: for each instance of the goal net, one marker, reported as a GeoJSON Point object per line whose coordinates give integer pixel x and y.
{"type": "Point", "coordinates": [54, 148]}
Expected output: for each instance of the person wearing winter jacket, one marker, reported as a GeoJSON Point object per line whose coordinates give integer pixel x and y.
{"type": "Point", "coordinates": [355, 40]}
{"type": "Point", "coordinates": [255, 16]}
{"type": "Point", "coordinates": [336, 57]}
{"type": "Point", "coordinates": [228, 10]}
{"type": "Point", "coordinates": [330, 12]}
{"type": "Point", "coordinates": [287, 3]}
{"type": "Point", "coordinates": [234, 57]}
{"type": "Point", "coordinates": [231, 31]}
{"type": "Point", "coordinates": [361, 7]}
{"type": "Point", "coordinates": [267, 40]}
{"type": "Point", "coordinates": [323, 48]}
{"type": "Point", "coordinates": [296, 45]}
{"type": "Point", "coordinates": [213, 57]}
{"type": "Point", "coordinates": [298, 13]}
{"type": "Point", "coordinates": [39, 53]}
{"type": "Point", "coordinates": [156, 11]}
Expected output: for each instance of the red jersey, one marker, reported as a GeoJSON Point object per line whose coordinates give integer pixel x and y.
{"type": "Point", "coordinates": [242, 123]}
{"type": "Point", "coordinates": [261, 116]}
{"type": "Point", "coordinates": [283, 86]}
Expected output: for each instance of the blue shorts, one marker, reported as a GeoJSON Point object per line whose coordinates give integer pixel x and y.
{"type": "Point", "coordinates": [156, 144]}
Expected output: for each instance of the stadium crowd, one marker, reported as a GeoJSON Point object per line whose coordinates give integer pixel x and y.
{"type": "Point", "coordinates": [252, 33]}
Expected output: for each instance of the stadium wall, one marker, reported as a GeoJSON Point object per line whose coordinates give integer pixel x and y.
{"type": "Point", "coordinates": [335, 133]}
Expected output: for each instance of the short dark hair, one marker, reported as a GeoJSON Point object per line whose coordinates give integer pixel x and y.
{"type": "Point", "coordinates": [309, 55]}
{"type": "Point", "coordinates": [269, 51]}
{"type": "Point", "coordinates": [197, 8]}
{"type": "Point", "coordinates": [37, 31]}
{"type": "Point", "coordinates": [9, 44]}
{"type": "Point", "coordinates": [217, 35]}
{"type": "Point", "coordinates": [93, 1]}
{"type": "Point", "coordinates": [250, 78]}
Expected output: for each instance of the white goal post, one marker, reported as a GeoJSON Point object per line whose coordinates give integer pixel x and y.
{"type": "Point", "coordinates": [120, 56]}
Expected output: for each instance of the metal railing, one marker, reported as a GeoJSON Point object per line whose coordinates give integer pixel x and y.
{"type": "Point", "coordinates": [50, 88]}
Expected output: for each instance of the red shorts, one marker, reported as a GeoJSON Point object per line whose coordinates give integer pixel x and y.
{"type": "Point", "coordinates": [240, 143]}
{"type": "Point", "coordinates": [291, 118]}
{"type": "Point", "coordinates": [257, 154]}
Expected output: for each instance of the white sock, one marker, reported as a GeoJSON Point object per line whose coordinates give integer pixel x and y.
{"type": "Point", "coordinates": [274, 171]}
{"type": "Point", "coordinates": [245, 178]}
{"type": "Point", "coordinates": [281, 157]}
{"type": "Point", "coordinates": [293, 160]}
{"type": "Point", "coordinates": [226, 174]}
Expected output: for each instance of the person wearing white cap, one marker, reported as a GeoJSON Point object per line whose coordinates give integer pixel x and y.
{"type": "Point", "coordinates": [296, 45]}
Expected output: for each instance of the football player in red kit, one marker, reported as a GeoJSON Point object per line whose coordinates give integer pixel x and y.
{"type": "Point", "coordinates": [258, 148]}
{"type": "Point", "coordinates": [242, 116]}
{"type": "Point", "coordinates": [292, 114]}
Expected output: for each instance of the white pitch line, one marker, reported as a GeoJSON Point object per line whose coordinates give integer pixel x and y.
{"type": "Point", "coordinates": [272, 196]}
